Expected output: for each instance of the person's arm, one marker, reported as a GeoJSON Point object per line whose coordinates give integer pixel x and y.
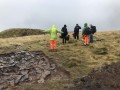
{"type": "Point", "coordinates": [47, 30]}
{"type": "Point", "coordinates": [58, 31]}
{"type": "Point", "coordinates": [79, 27]}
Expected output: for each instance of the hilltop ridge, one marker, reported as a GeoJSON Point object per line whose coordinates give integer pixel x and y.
{"type": "Point", "coordinates": [18, 32]}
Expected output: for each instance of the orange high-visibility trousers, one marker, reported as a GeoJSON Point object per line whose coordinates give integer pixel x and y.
{"type": "Point", "coordinates": [86, 39]}
{"type": "Point", "coordinates": [52, 44]}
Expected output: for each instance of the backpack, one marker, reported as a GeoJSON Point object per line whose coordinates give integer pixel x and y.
{"type": "Point", "coordinates": [86, 31]}
{"type": "Point", "coordinates": [93, 29]}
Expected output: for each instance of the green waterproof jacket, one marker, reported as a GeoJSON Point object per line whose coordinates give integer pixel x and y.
{"type": "Point", "coordinates": [85, 30]}
{"type": "Point", "coordinates": [53, 32]}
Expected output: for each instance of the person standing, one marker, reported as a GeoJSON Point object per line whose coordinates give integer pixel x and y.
{"type": "Point", "coordinates": [53, 36]}
{"type": "Point", "coordinates": [93, 30]}
{"type": "Point", "coordinates": [64, 34]}
{"type": "Point", "coordinates": [86, 32]}
{"type": "Point", "coordinates": [76, 32]}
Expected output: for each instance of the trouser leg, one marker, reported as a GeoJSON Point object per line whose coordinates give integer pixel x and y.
{"type": "Point", "coordinates": [84, 40]}
{"type": "Point", "coordinates": [91, 38]}
{"type": "Point", "coordinates": [51, 44]}
{"type": "Point", "coordinates": [77, 36]}
{"type": "Point", "coordinates": [54, 45]}
{"type": "Point", "coordinates": [63, 40]}
{"type": "Point", "coordinates": [87, 39]}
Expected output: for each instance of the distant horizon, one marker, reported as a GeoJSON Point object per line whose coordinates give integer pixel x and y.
{"type": "Point", "coordinates": [58, 29]}
{"type": "Point", "coordinates": [72, 29]}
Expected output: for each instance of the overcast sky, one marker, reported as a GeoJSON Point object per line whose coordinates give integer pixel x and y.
{"type": "Point", "coordinates": [105, 14]}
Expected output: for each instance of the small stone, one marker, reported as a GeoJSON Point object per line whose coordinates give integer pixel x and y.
{"type": "Point", "coordinates": [38, 70]}
{"type": "Point", "coordinates": [24, 72]}
{"type": "Point", "coordinates": [22, 67]}
{"type": "Point", "coordinates": [12, 83]}
{"type": "Point", "coordinates": [52, 66]}
{"type": "Point", "coordinates": [6, 74]}
{"type": "Point", "coordinates": [45, 74]}
{"type": "Point", "coordinates": [1, 66]}
{"type": "Point", "coordinates": [24, 78]}
{"type": "Point", "coordinates": [29, 57]}
{"type": "Point", "coordinates": [32, 55]}
{"type": "Point", "coordinates": [28, 54]}
{"type": "Point", "coordinates": [23, 52]}
{"type": "Point", "coordinates": [12, 56]}
{"type": "Point", "coordinates": [44, 59]}
{"type": "Point", "coordinates": [17, 80]}
{"type": "Point", "coordinates": [4, 62]}
{"type": "Point", "coordinates": [30, 78]}
{"type": "Point", "coordinates": [41, 81]}
{"type": "Point", "coordinates": [2, 87]}
{"type": "Point", "coordinates": [41, 61]}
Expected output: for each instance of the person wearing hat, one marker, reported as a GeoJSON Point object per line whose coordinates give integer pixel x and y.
{"type": "Point", "coordinates": [86, 32]}
{"type": "Point", "coordinates": [76, 32]}
{"type": "Point", "coordinates": [93, 30]}
{"type": "Point", "coordinates": [64, 34]}
{"type": "Point", "coordinates": [53, 36]}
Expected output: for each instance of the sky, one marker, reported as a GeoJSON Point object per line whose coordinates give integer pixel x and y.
{"type": "Point", "coordinates": [42, 14]}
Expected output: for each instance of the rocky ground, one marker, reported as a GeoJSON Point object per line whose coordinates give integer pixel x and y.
{"type": "Point", "coordinates": [106, 78]}
{"type": "Point", "coordinates": [24, 67]}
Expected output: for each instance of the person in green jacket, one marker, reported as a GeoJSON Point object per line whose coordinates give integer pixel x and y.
{"type": "Point", "coordinates": [53, 36]}
{"type": "Point", "coordinates": [85, 33]}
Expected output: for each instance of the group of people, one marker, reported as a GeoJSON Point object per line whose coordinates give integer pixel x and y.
{"type": "Point", "coordinates": [87, 34]}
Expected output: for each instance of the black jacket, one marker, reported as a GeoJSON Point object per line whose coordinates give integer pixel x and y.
{"type": "Point", "coordinates": [76, 29]}
{"type": "Point", "coordinates": [65, 32]}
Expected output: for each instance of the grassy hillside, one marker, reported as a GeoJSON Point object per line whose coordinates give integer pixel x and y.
{"type": "Point", "coordinates": [17, 32]}
{"type": "Point", "coordinates": [79, 60]}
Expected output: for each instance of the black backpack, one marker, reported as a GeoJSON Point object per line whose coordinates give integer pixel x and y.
{"type": "Point", "coordinates": [93, 29]}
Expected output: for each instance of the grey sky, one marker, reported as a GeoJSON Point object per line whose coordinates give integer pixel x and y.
{"type": "Point", "coordinates": [105, 14]}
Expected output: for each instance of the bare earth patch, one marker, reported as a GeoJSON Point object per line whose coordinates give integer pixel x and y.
{"type": "Point", "coordinates": [106, 78]}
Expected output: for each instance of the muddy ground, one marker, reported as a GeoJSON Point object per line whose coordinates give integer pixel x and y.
{"type": "Point", "coordinates": [105, 78]}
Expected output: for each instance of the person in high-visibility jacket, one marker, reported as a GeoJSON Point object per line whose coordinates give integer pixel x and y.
{"type": "Point", "coordinates": [53, 36]}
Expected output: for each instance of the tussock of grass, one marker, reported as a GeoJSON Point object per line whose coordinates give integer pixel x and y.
{"type": "Point", "coordinates": [72, 62]}
{"type": "Point", "coordinates": [100, 51]}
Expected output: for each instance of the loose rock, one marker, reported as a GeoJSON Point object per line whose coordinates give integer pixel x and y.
{"type": "Point", "coordinates": [22, 66]}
